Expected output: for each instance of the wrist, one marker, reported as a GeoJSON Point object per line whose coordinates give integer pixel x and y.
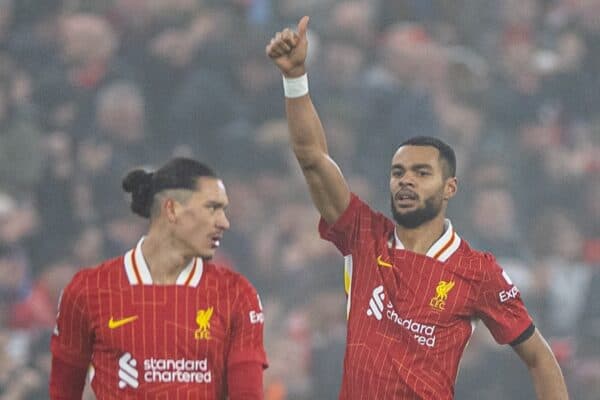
{"type": "Point", "coordinates": [294, 87]}
{"type": "Point", "coordinates": [295, 72]}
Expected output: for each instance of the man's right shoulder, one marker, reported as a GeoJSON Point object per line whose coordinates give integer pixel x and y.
{"type": "Point", "coordinates": [360, 212]}
{"type": "Point", "coordinates": [103, 272]}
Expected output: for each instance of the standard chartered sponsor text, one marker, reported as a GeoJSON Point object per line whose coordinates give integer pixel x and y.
{"type": "Point", "coordinates": [424, 334]}
{"type": "Point", "coordinates": [180, 370]}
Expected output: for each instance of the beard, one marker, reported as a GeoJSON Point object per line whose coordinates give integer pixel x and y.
{"type": "Point", "coordinates": [416, 218]}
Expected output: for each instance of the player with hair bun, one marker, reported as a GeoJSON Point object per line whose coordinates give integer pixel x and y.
{"type": "Point", "coordinates": [163, 321]}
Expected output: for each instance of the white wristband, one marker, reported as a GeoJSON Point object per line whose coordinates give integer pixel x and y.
{"type": "Point", "coordinates": [295, 87]}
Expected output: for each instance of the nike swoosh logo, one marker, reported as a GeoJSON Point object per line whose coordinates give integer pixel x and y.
{"type": "Point", "coordinates": [114, 324]}
{"type": "Point", "coordinates": [382, 263]}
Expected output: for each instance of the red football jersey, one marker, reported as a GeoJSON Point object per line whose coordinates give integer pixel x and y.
{"type": "Point", "coordinates": [410, 315]}
{"type": "Point", "coordinates": [158, 341]}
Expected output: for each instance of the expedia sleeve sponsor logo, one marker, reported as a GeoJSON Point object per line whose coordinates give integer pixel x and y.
{"type": "Point", "coordinates": [506, 295]}
{"type": "Point", "coordinates": [512, 293]}
{"type": "Point", "coordinates": [257, 317]}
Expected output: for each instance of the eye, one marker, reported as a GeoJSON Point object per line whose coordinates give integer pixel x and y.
{"type": "Point", "coordinates": [396, 173]}
{"type": "Point", "coordinates": [423, 173]}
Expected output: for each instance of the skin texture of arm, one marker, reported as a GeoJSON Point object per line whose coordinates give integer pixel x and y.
{"type": "Point", "coordinates": [544, 369]}
{"type": "Point", "coordinates": [327, 185]}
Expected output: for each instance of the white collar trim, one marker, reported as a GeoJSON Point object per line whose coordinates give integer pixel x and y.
{"type": "Point", "coordinates": [443, 248]}
{"type": "Point", "coordinates": [137, 270]}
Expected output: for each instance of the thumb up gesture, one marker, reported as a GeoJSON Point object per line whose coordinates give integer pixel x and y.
{"type": "Point", "coordinates": [288, 49]}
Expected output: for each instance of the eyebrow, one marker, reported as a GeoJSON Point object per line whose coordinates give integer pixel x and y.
{"type": "Point", "coordinates": [414, 166]}
{"type": "Point", "coordinates": [214, 203]}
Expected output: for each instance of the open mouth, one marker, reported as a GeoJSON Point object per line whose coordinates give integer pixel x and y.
{"type": "Point", "coordinates": [406, 198]}
{"type": "Point", "coordinates": [215, 241]}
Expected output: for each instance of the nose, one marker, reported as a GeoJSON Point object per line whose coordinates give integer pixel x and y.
{"type": "Point", "coordinates": [222, 221]}
{"type": "Point", "coordinates": [406, 180]}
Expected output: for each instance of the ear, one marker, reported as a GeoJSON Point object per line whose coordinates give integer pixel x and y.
{"type": "Point", "coordinates": [169, 207]}
{"type": "Point", "coordinates": [450, 188]}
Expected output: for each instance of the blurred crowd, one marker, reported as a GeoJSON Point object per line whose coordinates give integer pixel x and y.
{"type": "Point", "coordinates": [92, 88]}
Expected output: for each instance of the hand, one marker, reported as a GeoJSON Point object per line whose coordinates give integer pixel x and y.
{"type": "Point", "coordinates": [288, 50]}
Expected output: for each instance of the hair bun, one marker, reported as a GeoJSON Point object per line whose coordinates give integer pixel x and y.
{"type": "Point", "coordinates": [139, 183]}
{"type": "Point", "coordinates": [135, 179]}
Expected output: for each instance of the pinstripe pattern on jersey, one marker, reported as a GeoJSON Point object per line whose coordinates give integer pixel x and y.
{"type": "Point", "coordinates": [412, 350]}
{"type": "Point", "coordinates": [165, 327]}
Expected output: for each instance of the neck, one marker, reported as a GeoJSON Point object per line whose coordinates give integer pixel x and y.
{"type": "Point", "coordinates": [421, 238]}
{"type": "Point", "coordinates": [164, 261]}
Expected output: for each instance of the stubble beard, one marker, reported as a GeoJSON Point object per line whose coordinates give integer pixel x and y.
{"type": "Point", "coordinates": [416, 218]}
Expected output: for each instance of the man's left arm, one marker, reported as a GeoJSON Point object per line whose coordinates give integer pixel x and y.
{"type": "Point", "coordinates": [246, 359]}
{"type": "Point", "coordinates": [545, 372]}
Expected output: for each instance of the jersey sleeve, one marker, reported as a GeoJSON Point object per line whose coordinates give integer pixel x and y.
{"type": "Point", "coordinates": [499, 305]}
{"type": "Point", "coordinates": [246, 341]}
{"type": "Point", "coordinates": [72, 337]}
{"type": "Point", "coordinates": [344, 233]}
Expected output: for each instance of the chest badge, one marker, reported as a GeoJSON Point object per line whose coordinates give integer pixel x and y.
{"type": "Point", "coordinates": [438, 302]}
{"type": "Point", "coordinates": [203, 320]}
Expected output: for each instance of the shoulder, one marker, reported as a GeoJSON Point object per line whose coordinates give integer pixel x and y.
{"type": "Point", "coordinates": [97, 274]}
{"type": "Point", "coordinates": [483, 260]}
{"type": "Point", "coordinates": [369, 217]}
{"type": "Point", "coordinates": [474, 263]}
{"type": "Point", "coordinates": [227, 276]}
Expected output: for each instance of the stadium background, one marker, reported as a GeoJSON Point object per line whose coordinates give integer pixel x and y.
{"type": "Point", "coordinates": [91, 88]}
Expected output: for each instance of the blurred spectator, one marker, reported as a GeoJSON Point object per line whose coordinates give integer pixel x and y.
{"type": "Point", "coordinates": [562, 276]}
{"type": "Point", "coordinates": [88, 47]}
{"type": "Point", "coordinates": [591, 221]}
{"type": "Point", "coordinates": [21, 158]}
{"type": "Point", "coordinates": [90, 88]}
{"type": "Point", "coordinates": [398, 102]}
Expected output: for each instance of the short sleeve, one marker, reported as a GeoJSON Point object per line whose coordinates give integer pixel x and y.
{"type": "Point", "coordinates": [72, 338]}
{"type": "Point", "coordinates": [246, 341]}
{"type": "Point", "coordinates": [345, 231]}
{"type": "Point", "coordinates": [500, 306]}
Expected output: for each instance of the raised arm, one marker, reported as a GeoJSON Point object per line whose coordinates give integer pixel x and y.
{"type": "Point", "coordinates": [544, 370]}
{"type": "Point", "coordinates": [327, 185]}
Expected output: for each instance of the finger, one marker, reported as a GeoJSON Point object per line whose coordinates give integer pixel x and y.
{"type": "Point", "coordinates": [303, 26]}
{"type": "Point", "coordinates": [278, 48]}
{"type": "Point", "coordinates": [279, 45]}
{"type": "Point", "coordinates": [283, 46]}
{"type": "Point", "coordinates": [290, 38]}
{"type": "Point", "coordinates": [272, 50]}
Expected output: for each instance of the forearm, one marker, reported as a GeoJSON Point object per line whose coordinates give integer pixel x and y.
{"type": "Point", "coordinates": [544, 369]}
{"type": "Point", "coordinates": [326, 183]}
{"type": "Point", "coordinates": [306, 131]}
{"type": "Point", "coordinates": [548, 380]}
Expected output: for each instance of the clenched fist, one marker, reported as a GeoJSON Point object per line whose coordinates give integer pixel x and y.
{"type": "Point", "coordinates": [288, 50]}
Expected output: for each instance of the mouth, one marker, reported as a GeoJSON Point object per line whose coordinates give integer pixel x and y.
{"type": "Point", "coordinates": [215, 241]}
{"type": "Point", "coordinates": [406, 198]}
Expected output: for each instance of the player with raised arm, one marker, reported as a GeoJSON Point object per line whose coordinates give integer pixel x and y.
{"type": "Point", "coordinates": [163, 321]}
{"type": "Point", "coordinates": [414, 287]}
